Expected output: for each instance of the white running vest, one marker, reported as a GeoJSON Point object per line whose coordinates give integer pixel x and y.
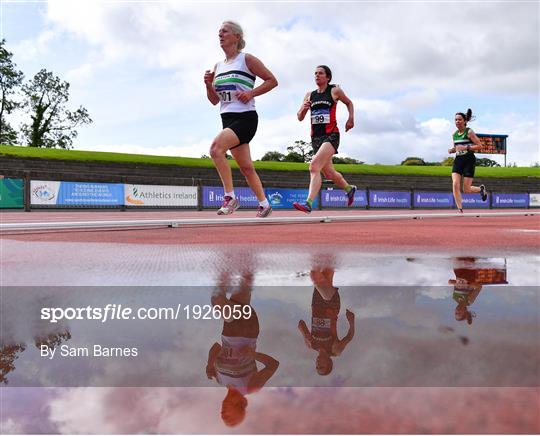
{"type": "Point", "coordinates": [234, 366]}
{"type": "Point", "coordinates": [230, 78]}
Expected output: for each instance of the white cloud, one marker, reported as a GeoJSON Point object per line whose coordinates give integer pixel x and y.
{"type": "Point", "coordinates": [145, 60]}
{"type": "Point", "coordinates": [35, 47]}
{"type": "Point", "coordinates": [9, 426]}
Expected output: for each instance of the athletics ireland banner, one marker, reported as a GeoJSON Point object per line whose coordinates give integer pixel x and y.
{"type": "Point", "coordinates": [160, 195]}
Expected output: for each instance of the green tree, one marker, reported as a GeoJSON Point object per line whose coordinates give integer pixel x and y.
{"type": "Point", "coordinates": [10, 81]}
{"type": "Point", "coordinates": [52, 124]}
{"type": "Point", "coordinates": [413, 161]}
{"type": "Point", "coordinates": [345, 160]}
{"type": "Point", "coordinates": [273, 156]}
{"type": "Point", "coordinates": [447, 162]}
{"type": "Point", "coordinates": [485, 162]}
{"type": "Point", "coordinates": [301, 148]}
{"type": "Point", "coordinates": [293, 156]}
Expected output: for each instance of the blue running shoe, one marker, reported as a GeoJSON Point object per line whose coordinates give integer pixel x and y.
{"type": "Point", "coordinates": [483, 192]}
{"type": "Point", "coordinates": [350, 195]}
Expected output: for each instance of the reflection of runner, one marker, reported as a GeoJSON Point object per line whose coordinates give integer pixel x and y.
{"type": "Point", "coordinates": [233, 363]}
{"type": "Point", "coordinates": [465, 144]}
{"type": "Point", "coordinates": [325, 306]}
{"type": "Point", "coordinates": [232, 83]}
{"type": "Point", "coordinates": [325, 134]}
{"type": "Point", "coordinates": [466, 288]}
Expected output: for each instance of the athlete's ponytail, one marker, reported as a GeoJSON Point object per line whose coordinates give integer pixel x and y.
{"type": "Point", "coordinates": [467, 116]}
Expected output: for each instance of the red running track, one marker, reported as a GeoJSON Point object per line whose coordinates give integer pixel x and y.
{"type": "Point", "coordinates": [470, 234]}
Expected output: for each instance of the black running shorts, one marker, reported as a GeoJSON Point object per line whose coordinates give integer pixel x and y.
{"type": "Point", "coordinates": [332, 138]}
{"type": "Point", "coordinates": [244, 124]}
{"type": "Point", "coordinates": [465, 164]}
{"type": "Point", "coordinates": [242, 327]}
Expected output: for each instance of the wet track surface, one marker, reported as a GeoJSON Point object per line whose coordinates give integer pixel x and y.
{"type": "Point", "coordinates": [440, 339]}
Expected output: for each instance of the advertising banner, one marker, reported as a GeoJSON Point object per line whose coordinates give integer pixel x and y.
{"type": "Point", "coordinates": [474, 201]}
{"type": "Point", "coordinates": [284, 198]}
{"type": "Point", "coordinates": [11, 193]}
{"type": "Point", "coordinates": [338, 198]}
{"type": "Point", "coordinates": [433, 199]}
{"type": "Point", "coordinates": [213, 197]}
{"type": "Point", "coordinates": [510, 200]}
{"type": "Point", "coordinates": [44, 192]}
{"type": "Point", "coordinates": [160, 195]}
{"type": "Point", "coordinates": [534, 200]}
{"type": "Point", "coordinates": [76, 193]}
{"type": "Point", "coordinates": [398, 199]}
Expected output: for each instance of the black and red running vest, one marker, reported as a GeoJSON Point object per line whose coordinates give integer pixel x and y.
{"type": "Point", "coordinates": [323, 113]}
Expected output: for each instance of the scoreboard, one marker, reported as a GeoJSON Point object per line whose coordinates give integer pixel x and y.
{"type": "Point", "coordinates": [492, 144]}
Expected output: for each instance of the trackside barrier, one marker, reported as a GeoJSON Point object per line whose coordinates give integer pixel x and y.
{"type": "Point", "coordinates": [25, 193]}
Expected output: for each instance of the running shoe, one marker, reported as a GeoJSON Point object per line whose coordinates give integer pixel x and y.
{"type": "Point", "coordinates": [229, 205]}
{"type": "Point", "coordinates": [306, 208]}
{"type": "Point", "coordinates": [460, 210]}
{"type": "Point", "coordinates": [483, 192]}
{"type": "Point", "coordinates": [350, 195]}
{"type": "Point", "coordinates": [263, 211]}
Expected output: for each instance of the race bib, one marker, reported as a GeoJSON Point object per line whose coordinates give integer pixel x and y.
{"type": "Point", "coordinates": [226, 93]}
{"type": "Point", "coordinates": [322, 323]}
{"type": "Point", "coordinates": [320, 116]}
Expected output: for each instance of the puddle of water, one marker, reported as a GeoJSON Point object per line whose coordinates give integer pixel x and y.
{"type": "Point", "coordinates": [367, 326]}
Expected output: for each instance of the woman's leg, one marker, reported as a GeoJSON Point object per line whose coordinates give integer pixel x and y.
{"type": "Point", "coordinates": [467, 186]}
{"type": "Point", "coordinates": [320, 160]}
{"type": "Point", "coordinates": [221, 144]}
{"type": "Point", "coordinates": [456, 189]}
{"type": "Point", "coordinates": [242, 156]}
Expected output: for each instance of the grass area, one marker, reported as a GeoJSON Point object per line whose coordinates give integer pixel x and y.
{"type": "Point", "coordinates": [97, 156]}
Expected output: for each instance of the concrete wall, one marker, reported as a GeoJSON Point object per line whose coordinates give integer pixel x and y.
{"type": "Point", "coordinates": [43, 169]}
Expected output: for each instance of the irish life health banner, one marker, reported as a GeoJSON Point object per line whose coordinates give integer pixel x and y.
{"type": "Point", "coordinates": [433, 199]}
{"type": "Point", "coordinates": [213, 197]}
{"type": "Point", "coordinates": [338, 198]}
{"type": "Point", "coordinates": [160, 195]}
{"type": "Point", "coordinates": [390, 199]}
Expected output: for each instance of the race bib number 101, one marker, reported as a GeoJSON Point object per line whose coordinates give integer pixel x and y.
{"type": "Point", "coordinates": [226, 96]}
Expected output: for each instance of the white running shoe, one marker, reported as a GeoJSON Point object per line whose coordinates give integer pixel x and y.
{"type": "Point", "coordinates": [229, 205]}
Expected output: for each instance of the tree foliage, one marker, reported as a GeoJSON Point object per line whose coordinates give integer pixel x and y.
{"type": "Point", "coordinates": [345, 160]}
{"type": "Point", "coordinates": [302, 149]}
{"type": "Point", "coordinates": [275, 156]}
{"type": "Point", "coordinates": [485, 162]}
{"type": "Point", "coordinates": [10, 81]}
{"type": "Point", "coordinates": [52, 125]}
{"type": "Point", "coordinates": [413, 161]}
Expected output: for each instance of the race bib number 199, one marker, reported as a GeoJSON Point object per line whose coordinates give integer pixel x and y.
{"type": "Point", "coordinates": [320, 116]}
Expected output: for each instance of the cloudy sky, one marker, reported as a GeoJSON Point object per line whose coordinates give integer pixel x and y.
{"type": "Point", "coordinates": [137, 66]}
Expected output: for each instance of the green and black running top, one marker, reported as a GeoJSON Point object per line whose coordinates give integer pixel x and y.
{"type": "Point", "coordinates": [323, 113]}
{"type": "Point", "coordinates": [462, 139]}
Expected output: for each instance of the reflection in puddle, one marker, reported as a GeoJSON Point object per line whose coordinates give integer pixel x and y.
{"type": "Point", "coordinates": [336, 321]}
